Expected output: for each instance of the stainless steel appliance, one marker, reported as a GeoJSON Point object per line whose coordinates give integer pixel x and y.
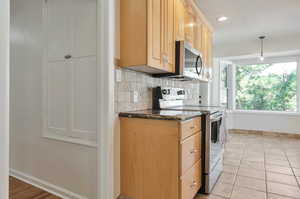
{"type": "Point", "coordinates": [188, 63]}
{"type": "Point", "coordinates": [213, 135]}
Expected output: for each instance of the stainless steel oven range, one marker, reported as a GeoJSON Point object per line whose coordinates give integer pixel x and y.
{"type": "Point", "coordinates": [213, 139]}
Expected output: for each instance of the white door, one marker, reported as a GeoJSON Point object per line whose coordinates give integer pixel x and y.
{"type": "Point", "coordinates": [58, 29]}
{"type": "Point", "coordinates": [70, 83]}
{"type": "Point", "coordinates": [84, 15]}
{"type": "Point", "coordinates": [4, 97]}
{"type": "Point", "coordinates": [58, 95]}
{"type": "Point", "coordinates": [84, 98]}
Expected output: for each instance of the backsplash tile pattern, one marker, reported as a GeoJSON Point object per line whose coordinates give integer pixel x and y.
{"type": "Point", "coordinates": [143, 83]}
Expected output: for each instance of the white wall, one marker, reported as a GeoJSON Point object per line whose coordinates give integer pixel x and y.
{"type": "Point", "coordinates": [117, 158]}
{"type": "Point", "coordinates": [248, 47]}
{"type": "Point", "coordinates": [265, 121]}
{"type": "Point", "coordinates": [4, 97]}
{"type": "Point", "coordinates": [215, 84]}
{"type": "Point", "coordinates": [66, 165]}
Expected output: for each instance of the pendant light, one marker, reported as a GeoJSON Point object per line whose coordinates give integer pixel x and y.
{"type": "Point", "coordinates": [262, 58]}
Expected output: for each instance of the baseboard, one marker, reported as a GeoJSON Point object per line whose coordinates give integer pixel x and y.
{"type": "Point", "coordinates": [265, 133]}
{"type": "Point", "coordinates": [51, 188]}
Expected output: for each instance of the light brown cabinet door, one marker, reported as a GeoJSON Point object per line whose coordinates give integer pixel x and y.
{"type": "Point", "coordinates": [189, 25]}
{"type": "Point", "coordinates": [205, 44]}
{"type": "Point", "coordinates": [179, 20]}
{"type": "Point", "coordinates": [198, 35]}
{"type": "Point", "coordinates": [155, 29]}
{"type": "Point", "coordinates": [169, 35]}
{"type": "Point", "coordinates": [210, 49]}
{"type": "Point", "coordinates": [161, 40]}
{"type": "Point", "coordinates": [191, 182]}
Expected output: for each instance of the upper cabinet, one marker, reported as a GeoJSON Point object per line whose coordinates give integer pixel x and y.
{"type": "Point", "coordinates": [179, 20]}
{"type": "Point", "coordinates": [147, 35]}
{"type": "Point", "coordinates": [198, 26]}
{"type": "Point", "coordinates": [149, 29]}
{"type": "Point", "coordinates": [207, 39]}
{"type": "Point", "coordinates": [189, 19]}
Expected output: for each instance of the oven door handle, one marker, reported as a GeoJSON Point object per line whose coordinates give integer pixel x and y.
{"type": "Point", "coordinates": [214, 119]}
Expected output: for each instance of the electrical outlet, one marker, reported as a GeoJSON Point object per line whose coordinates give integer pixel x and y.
{"type": "Point", "coordinates": [118, 75]}
{"type": "Point", "coordinates": [135, 96]}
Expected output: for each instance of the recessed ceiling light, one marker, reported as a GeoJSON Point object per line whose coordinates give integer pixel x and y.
{"type": "Point", "coordinates": [222, 18]}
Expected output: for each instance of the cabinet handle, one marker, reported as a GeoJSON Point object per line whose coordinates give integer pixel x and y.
{"type": "Point", "coordinates": [193, 151]}
{"type": "Point", "coordinates": [192, 127]}
{"type": "Point", "coordinates": [194, 184]}
{"type": "Point", "coordinates": [68, 56]}
{"type": "Point", "coordinates": [165, 59]}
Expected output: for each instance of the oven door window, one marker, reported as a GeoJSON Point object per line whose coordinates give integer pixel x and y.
{"type": "Point", "coordinates": [215, 131]}
{"type": "Point", "coordinates": [216, 146]}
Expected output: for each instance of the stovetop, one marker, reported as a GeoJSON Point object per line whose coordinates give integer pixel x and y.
{"type": "Point", "coordinates": [207, 109]}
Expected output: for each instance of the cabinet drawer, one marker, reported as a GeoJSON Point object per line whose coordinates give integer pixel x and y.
{"type": "Point", "coordinates": [191, 182]}
{"type": "Point", "coordinates": [190, 127]}
{"type": "Point", "coordinates": [190, 152]}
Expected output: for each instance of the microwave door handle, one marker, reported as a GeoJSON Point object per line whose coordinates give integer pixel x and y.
{"type": "Point", "coordinates": [201, 64]}
{"type": "Point", "coordinates": [196, 65]}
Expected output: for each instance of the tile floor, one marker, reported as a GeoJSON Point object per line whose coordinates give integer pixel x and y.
{"type": "Point", "coordinates": [259, 167]}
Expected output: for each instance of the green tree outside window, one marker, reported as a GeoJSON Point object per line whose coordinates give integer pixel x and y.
{"type": "Point", "coordinates": [271, 87]}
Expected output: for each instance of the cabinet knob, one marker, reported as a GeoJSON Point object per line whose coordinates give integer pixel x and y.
{"type": "Point", "coordinates": [194, 184]}
{"type": "Point", "coordinates": [193, 151]}
{"type": "Point", "coordinates": [165, 59]}
{"type": "Point", "coordinates": [68, 56]}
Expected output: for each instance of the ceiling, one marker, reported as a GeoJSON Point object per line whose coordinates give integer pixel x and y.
{"type": "Point", "coordinates": [278, 20]}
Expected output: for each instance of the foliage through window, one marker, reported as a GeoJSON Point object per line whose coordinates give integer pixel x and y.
{"type": "Point", "coordinates": [224, 67]}
{"type": "Point", "coordinates": [270, 87]}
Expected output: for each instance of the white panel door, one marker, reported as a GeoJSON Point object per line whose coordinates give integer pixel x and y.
{"type": "Point", "coordinates": [84, 27]}
{"type": "Point", "coordinates": [58, 97]}
{"type": "Point", "coordinates": [58, 28]}
{"type": "Point", "coordinates": [84, 98]}
{"type": "Point", "coordinates": [71, 96]}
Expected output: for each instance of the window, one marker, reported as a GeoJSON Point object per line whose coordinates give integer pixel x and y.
{"type": "Point", "coordinates": [224, 67]}
{"type": "Point", "coordinates": [270, 87]}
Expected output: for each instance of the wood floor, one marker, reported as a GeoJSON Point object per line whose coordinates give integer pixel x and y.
{"type": "Point", "coordinates": [21, 190]}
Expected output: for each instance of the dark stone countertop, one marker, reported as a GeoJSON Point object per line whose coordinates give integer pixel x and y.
{"type": "Point", "coordinates": [162, 114]}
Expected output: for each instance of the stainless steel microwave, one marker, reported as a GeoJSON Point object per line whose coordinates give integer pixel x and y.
{"type": "Point", "coordinates": [188, 63]}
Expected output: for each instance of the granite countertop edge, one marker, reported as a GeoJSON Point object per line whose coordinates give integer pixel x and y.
{"type": "Point", "coordinates": [139, 114]}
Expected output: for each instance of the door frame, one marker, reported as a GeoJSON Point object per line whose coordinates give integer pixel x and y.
{"type": "Point", "coordinates": [105, 62]}
{"type": "Point", "coordinates": [4, 97]}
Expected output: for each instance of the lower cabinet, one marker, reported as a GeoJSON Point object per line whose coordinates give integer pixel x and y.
{"type": "Point", "coordinates": [160, 158]}
{"type": "Point", "coordinates": [191, 182]}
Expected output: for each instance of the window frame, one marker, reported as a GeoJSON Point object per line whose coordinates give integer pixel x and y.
{"type": "Point", "coordinates": [251, 61]}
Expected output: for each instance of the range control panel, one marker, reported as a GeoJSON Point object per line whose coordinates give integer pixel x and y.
{"type": "Point", "coordinates": [172, 93]}
{"type": "Point", "coordinates": [165, 97]}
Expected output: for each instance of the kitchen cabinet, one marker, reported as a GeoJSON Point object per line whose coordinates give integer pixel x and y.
{"type": "Point", "coordinates": [189, 25]}
{"type": "Point", "coordinates": [70, 70]}
{"type": "Point", "coordinates": [147, 35]}
{"type": "Point", "coordinates": [198, 34]}
{"type": "Point", "coordinates": [168, 35]}
{"type": "Point", "coordinates": [149, 29]}
{"type": "Point", "coordinates": [207, 47]}
{"type": "Point", "coordinates": [205, 44]}
{"type": "Point", "coordinates": [210, 49]}
{"type": "Point", "coordinates": [179, 20]}
{"type": "Point", "coordinates": [160, 158]}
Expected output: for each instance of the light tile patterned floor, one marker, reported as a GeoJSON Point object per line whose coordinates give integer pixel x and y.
{"type": "Point", "coordinates": [259, 167]}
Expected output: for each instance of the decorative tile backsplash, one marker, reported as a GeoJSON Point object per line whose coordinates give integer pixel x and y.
{"type": "Point", "coordinates": [143, 84]}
